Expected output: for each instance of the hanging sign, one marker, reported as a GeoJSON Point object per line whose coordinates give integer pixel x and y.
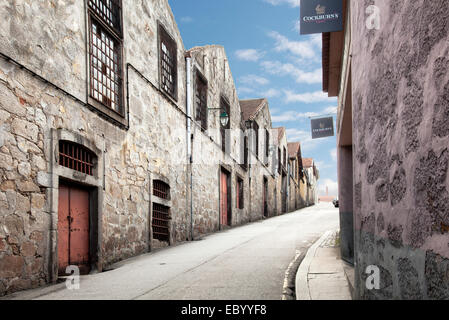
{"type": "Point", "coordinates": [322, 128]}
{"type": "Point", "coordinates": [318, 16]}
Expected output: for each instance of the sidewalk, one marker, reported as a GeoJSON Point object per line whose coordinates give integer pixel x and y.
{"type": "Point", "coordinates": [321, 275]}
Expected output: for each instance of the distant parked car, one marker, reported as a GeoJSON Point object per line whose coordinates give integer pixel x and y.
{"type": "Point", "coordinates": [336, 203]}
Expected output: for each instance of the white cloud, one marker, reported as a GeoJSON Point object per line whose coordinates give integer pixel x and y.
{"type": "Point", "coordinates": [334, 154]}
{"type": "Point", "coordinates": [291, 3]}
{"type": "Point", "coordinates": [243, 90]}
{"type": "Point", "coordinates": [305, 137]}
{"type": "Point", "coordinates": [329, 184]}
{"type": "Point", "coordinates": [330, 110]}
{"type": "Point", "coordinates": [290, 116]}
{"type": "Point", "coordinates": [271, 93]}
{"type": "Point", "coordinates": [303, 49]}
{"type": "Point", "coordinates": [249, 55]}
{"type": "Point", "coordinates": [253, 79]}
{"type": "Point", "coordinates": [323, 165]}
{"type": "Point", "coordinates": [297, 26]}
{"type": "Point", "coordinates": [186, 19]}
{"type": "Point", "coordinates": [301, 76]}
{"type": "Point", "coordinates": [308, 97]}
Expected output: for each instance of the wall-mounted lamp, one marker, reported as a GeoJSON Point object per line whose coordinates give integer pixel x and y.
{"type": "Point", "coordinates": [224, 117]}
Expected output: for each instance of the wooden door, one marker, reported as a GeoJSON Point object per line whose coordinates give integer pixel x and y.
{"type": "Point", "coordinates": [73, 229]}
{"type": "Point", "coordinates": [223, 198]}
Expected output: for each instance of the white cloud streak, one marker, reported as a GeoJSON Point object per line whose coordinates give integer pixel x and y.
{"type": "Point", "coordinates": [308, 97]}
{"type": "Point", "coordinates": [334, 154]}
{"type": "Point", "coordinates": [252, 55]}
{"type": "Point", "coordinates": [253, 79]}
{"type": "Point", "coordinates": [291, 3]}
{"type": "Point", "coordinates": [300, 76]}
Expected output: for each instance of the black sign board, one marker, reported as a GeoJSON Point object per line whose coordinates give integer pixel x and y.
{"type": "Point", "coordinates": [318, 16]}
{"type": "Point", "coordinates": [322, 128]}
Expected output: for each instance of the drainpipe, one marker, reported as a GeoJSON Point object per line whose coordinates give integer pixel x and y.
{"type": "Point", "coordinates": [189, 135]}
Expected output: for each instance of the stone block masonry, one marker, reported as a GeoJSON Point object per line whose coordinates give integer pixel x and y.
{"type": "Point", "coordinates": [401, 151]}
{"type": "Point", "coordinates": [45, 99]}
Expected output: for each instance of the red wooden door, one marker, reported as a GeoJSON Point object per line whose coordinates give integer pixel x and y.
{"type": "Point", "coordinates": [73, 228]}
{"type": "Point", "coordinates": [224, 198]}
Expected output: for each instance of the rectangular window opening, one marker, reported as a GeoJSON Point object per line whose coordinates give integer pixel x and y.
{"type": "Point", "coordinates": [201, 102]}
{"type": "Point", "coordinates": [105, 67]}
{"type": "Point", "coordinates": [161, 222]}
{"type": "Point", "coordinates": [168, 64]}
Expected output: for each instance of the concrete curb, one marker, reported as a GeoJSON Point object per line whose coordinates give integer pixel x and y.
{"type": "Point", "coordinates": [302, 283]}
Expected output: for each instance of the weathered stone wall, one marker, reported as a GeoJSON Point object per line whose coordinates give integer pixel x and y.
{"type": "Point", "coordinates": [401, 138]}
{"type": "Point", "coordinates": [49, 38]}
{"type": "Point", "coordinates": [208, 158]}
{"type": "Point", "coordinates": [262, 166]}
{"type": "Point", "coordinates": [281, 185]}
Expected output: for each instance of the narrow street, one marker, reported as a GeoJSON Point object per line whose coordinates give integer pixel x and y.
{"type": "Point", "coordinates": [247, 263]}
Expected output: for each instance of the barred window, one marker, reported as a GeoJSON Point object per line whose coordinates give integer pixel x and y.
{"type": "Point", "coordinates": [285, 158]}
{"type": "Point", "coordinates": [109, 11]}
{"type": "Point", "coordinates": [256, 132]}
{"type": "Point", "coordinates": [239, 194]}
{"type": "Point", "coordinates": [168, 63]}
{"type": "Point", "coordinates": [201, 101]}
{"type": "Point", "coordinates": [267, 144]}
{"type": "Point", "coordinates": [161, 189]}
{"type": "Point", "coordinates": [105, 67]}
{"type": "Point", "coordinates": [76, 157]}
{"type": "Point", "coordinates": [245, 153]}
{"type": "Point", "coordinates": [161, 222]}
{"type": "Point", "coordinates": [279, 161]}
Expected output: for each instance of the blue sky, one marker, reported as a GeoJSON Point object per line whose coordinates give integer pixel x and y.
{"type": "Point", "coordinates": [268, 59]}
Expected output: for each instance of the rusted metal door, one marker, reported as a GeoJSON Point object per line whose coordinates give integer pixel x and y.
{"type": "Point", "coordinates": [73, 228]}
{"type": "Point", "coordinates": [224, 198]}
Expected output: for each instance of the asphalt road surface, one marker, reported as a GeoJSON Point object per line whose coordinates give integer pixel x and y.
{"type": "Point", "coordinates": [244, 263]}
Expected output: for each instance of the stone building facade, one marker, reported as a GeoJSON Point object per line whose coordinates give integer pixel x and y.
{"type": "Point", "coordinates": [312, 176]}
{"type": "Point", "coordinates": [393, 82]}
{"type": "Point", "coordinates": [107, 121]}
{"type": "Point", "coordinates": [296, 176]}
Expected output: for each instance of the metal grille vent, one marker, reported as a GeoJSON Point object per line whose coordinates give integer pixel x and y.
{"type": "Point", "coordinates": [76, 157]}
{"type": "Point", "coordinates": [161, 189]}
{"type": "Point", "coordinates": [161, 220]}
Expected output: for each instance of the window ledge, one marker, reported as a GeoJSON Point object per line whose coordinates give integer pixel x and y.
{"type": "Point", "coordinates": [108, 113]}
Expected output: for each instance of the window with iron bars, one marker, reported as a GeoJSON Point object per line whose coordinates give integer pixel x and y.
{"type": "Point", "coordinates": [256, 132]}
{"type": "Point", "coordinates": [239, 194]}
{"type": "Point", "coordinates": [279, 161]}
{"type": "Point", "coordinates": [105, 53]}
{"type": "Point", "coordinates": [76, 157]}
{"type": "Point", "coordinates": [267, 144]}
{"type": "Point", "coordinates": [109, 11]}
{"type": "Point", "coordinates": [161, 222]}
{"type": "Point", "coordinates": [285, 158]}
{"type": "Point", "coordinates": [201, 101]}
{"type": "Point", "coordinates": [245, 153]}
{"type": "Point", "coordinates": [168, 63]}
{"type": "Point", "coordinates": [161, 189]}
